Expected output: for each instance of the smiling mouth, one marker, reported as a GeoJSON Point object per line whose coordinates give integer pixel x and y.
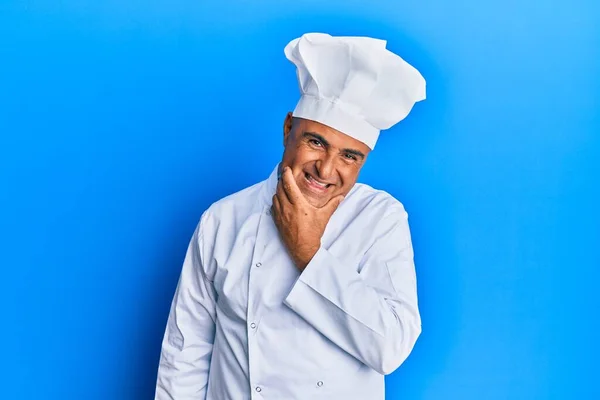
{"type": "Point", "coordinates": [316, 184]}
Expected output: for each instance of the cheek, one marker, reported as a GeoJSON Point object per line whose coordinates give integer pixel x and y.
{"type": "Point", "coordinates": [303, 154]}
{"type": "Point", "coordinates": [349, 176]}
{"type": "Point", "coordinates": [290, 154]}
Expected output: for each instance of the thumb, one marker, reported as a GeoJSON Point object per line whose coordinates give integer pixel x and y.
{"type": "Point", "coordinates": [335, 202]}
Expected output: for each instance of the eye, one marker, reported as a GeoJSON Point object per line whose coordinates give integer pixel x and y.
{"type": "Point", "coordinates": [350, 156]}
{"type": "Point", "coordinates": [314, 141]}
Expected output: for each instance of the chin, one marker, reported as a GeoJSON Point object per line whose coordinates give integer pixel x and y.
{"type": "Point", "coordinates": [316, 201]}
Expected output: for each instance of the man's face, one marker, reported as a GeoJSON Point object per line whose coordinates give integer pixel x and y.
{"type": "Point", "coordinates": [324, 161]}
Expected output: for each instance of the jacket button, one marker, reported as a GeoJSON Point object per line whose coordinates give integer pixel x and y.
{"type": "Point", "coordinates": [320, 383]}
{"type": "Point", "coordinates": [258, 389]}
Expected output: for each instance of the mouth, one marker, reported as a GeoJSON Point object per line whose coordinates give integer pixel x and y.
{"type": "Point", "coordinates": [315, 184]}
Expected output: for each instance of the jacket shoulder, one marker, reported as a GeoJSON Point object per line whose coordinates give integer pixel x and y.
{"type": "Point", "coordinates": [236, 206]}
{"type": "Point", "coordinates": [370, 198]}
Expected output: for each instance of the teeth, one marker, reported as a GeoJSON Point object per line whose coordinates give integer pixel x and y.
{"type": "Point", "coordinates": [318, 183]}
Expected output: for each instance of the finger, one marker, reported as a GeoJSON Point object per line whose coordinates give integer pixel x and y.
{"type": "Point", "coordinates": [284, 197]}
{"type": "Point", "coordinates": [281, 194]}
{"type": "Point", "coordinates": [291, 187]}
{"type": "Point", "coordinates": [333, 203]}
{"type": "Point", "coordinates": [276, 207]}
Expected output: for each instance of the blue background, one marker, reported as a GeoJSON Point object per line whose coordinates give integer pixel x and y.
{"type": "Point", "coordinates": [121, 121]}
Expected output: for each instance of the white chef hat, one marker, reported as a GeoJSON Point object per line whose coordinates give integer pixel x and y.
{"type": "Point", "coordinates": [353, 84]}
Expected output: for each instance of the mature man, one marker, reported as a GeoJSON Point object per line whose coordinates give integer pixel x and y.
{"type": "Point", "coordinates": [303, 286]}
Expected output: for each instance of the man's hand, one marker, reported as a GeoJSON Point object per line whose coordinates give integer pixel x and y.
{"type": "Point", "coordinates": [300, 224]}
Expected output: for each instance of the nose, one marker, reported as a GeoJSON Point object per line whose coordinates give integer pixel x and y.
{"type": "Point", "coordinates": [325, 168]}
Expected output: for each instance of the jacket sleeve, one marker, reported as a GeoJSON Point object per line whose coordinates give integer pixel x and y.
{"type": "Point", "coordinates": [370, 310]}
{"type": "Point", "coordinates": [188, 340]}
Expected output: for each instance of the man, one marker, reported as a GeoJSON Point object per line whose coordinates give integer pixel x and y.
{"type": "Point", "coordinates": [303, 286]}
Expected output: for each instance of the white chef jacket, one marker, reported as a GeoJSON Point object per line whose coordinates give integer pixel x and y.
{"type": "Point", "coordinates": [246, 324]}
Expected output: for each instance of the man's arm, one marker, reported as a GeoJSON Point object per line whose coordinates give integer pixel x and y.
{"type": "Point", "coordinates": [372, 315]}
{"type": "Point", "coordinates": [188, 340]}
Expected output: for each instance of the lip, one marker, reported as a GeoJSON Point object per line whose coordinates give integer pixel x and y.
{"type": "Point", "coordinates": [313, 186]}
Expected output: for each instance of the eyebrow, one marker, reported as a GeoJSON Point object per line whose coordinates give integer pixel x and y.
{"type": "Point", "coordinates": [314, 135]}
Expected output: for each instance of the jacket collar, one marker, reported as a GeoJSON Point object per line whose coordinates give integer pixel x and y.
{"type": "Point", "coordinates": [269, 187]}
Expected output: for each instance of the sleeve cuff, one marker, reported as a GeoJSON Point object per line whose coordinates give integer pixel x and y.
{"type": "Point", "coordinates": [326, 278]}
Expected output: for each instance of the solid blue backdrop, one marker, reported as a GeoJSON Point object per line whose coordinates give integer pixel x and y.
{"type": "Point", "coordinates": [121, 121]}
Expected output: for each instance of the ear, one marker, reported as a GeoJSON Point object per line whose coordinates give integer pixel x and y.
{"type": "Point", "coordinates": [287, 127]}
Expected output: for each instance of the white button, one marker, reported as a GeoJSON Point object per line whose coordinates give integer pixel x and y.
{"type": "Point", "coordinates": [253, 325]}
{"type": "Point", "coordinates": [258, 264]}
{"type": "Point", "coordinates": [258, 389]}
{"type": "Point", "coordinates": [320, 383]}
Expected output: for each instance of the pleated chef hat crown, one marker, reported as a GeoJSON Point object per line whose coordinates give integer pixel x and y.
{"type": "Point", "coordinates": [353, 84]}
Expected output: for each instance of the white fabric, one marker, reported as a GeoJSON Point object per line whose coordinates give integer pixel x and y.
{"type": "Point", "coordinates": [353, 84]}
{"type": "Point", "coordinates": [245, 324]}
